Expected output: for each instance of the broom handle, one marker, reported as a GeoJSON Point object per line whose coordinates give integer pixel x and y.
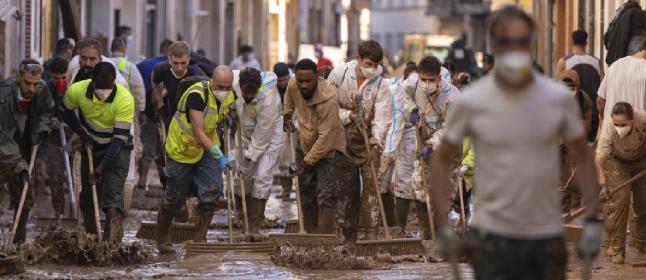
{"type": "Point", "coordinates": [242, 186]}
{"type": "Point", "coordinates": [429, 213]}
{"type": "Point", "coordinates": [68, 172]}
{"type": "Point", "coordinates": [228, 186]}
{"type": "Point", "coordinates": [23, 196]}
{"type": "Point", "coordinates": [299, 207]}
{"type": "Point", "coordinates": [463, 216]}
{"type": "Point", "coordinates": [95, 199]}
{"type": "Point", "coordinates": [375, 184]}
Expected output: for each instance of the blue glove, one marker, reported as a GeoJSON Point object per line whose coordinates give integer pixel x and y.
{"type": "Point", "coordinates": [426, 152]}
{"type": "Point", "coordinates": [216, 152]}
{"type": "Point", "coordinates": [414, 117]}
{"type": "Point", "coordinates": [224, 162]}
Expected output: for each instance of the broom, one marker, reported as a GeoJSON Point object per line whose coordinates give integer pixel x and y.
{"type": "Point", "coordinates": [400, 246]}
{"type": "Point", "coordinates": [302, 238]}
{"type": "Point", "coordinates": [95, 199]}
{"type": "Point", "coordinates": [427, 197]}
{"type": "Point", "coordinates": [25, 187]}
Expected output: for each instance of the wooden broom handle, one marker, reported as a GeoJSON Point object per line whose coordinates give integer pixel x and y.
{"type": "Point", "coordinates": [23, 196]}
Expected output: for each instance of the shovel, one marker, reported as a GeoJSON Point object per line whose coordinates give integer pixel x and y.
{"type": "Point", "coordinates": [25, 187]}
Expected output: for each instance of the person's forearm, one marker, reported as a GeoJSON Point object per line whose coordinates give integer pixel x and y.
{"type": "Point", "coordinates": [585, 177]}
{"type": "Point", "coordinates": [439, 191]}
{"type": "Point", "coordinates": [69, 117]}
{"type": "Point", "coordinates": [204, 140]}
{"type": "Point", "coordinates": [601, 106]}
{"type": "Point", "coordinates": [598, 162]}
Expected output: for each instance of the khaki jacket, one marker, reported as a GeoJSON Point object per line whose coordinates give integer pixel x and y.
{"type": "Point", "coordinates": [321, 130]}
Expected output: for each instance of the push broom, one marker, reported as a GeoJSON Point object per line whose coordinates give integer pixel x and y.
{"type": "Point", "coordinates": [394, 247]}
{"type": "Point", "coordinates": [302, 238]}
{"type": "Point", "coordinates": [25, 187]}
{"type": "Point", "coordinates": [194, 248]}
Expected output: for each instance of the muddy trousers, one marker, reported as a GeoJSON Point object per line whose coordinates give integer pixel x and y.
{"type": "Point", "coordinates": [616, 209]}
{"type": "Point", "coordinates": [15, 191]}
{"type": "Point", "coordinates": [49, 173]}
{"type": "Point", "coordinates": [499, 257]}
{"type": "Point", "coordinates": [318, 186]}
{"type": "Point", "coordinates": [353, 200]}
{"type": "Point", "coordinates": [149, 151]}
{"type": "Point", "coordinates": [109, 188]}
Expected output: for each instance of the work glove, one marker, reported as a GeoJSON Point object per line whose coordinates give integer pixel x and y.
{"type": "Point", "coordinates": [448, 243]}
{"type": "Point", "coordinates": [95, 177]}
{"type": "Point", "coordinates": [288, 125]}
{"type": "Point", "coordinates": [589, 243]}
{"type": "Point", "coordinates": [298, 168]}
{"type": "Point", "coordinates": [426, 152]}
{"type": "Point", "coordinates": [216, 152]}
{"type": "Point", "coordinates": [224, 162]}
{"type": "Point", "coordinates": [462, 171]}
{"type": "Point", "coordinates": [414, 116]}
{"type": "Point", "coordinates": [247, 168]}
{"type": "Point", "coordinates": [24, 175]}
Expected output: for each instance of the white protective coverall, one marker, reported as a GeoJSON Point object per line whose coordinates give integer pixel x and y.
{"type": "Point", "coordinates": [262, 132]}
{"type": "Point", "coordinates": [432, 117]}
{"type": "Point", "coordinates": [400, 144]}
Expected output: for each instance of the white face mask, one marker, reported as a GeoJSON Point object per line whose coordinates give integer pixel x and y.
{"type": "Point", "coordinates": [220, 95]}
{"type": "Point", "coordinates": [573, 93]}
{"type": "Point", "coordinates": [103, 94]}
{"type": "Point", "coordinates": [622, 131]}
{"type": "Point", "coordinates": [428, 88]}
{"type": "Point", "coordinates": [514, 66]}
{"type": "Point", "coordinates": [175, 74]}
{"type": "Point", "coordinates": [370, 73]}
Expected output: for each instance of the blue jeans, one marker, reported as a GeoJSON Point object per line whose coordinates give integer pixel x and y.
{"type": "Point", "coordinates": [203, 178]}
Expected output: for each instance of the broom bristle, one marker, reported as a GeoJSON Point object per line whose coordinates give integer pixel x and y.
{"type": "Point", "coordinates": [394, 247]}
{"type": "Point", "coordinates": [179, 232]}
{"type": "Point", "coordinates": [193, 248]}
{"type": "Point", "coordinates": [305, 240]}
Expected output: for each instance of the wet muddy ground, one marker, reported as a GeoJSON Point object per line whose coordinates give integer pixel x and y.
{"type": "Point", "coordinates": [233, 265]}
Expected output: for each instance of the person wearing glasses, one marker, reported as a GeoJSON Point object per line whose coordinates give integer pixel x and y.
{"type": "Point", "coordinates": [26, 108]}
{"type": "Point", "coordinates": [516, 119]}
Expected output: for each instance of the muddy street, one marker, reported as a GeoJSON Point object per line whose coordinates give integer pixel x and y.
{"type": "Point", "coordinates": [236, 265]}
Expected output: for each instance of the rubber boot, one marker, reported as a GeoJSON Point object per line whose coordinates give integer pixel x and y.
{"type": "Point", "coordinates": [326, 221]}
{"type": "Point", "coordinates": [310, 217]}
{"type": "Point", "coordinates": [256, 212]}
{"type": "Point", "coordinates": [163, 232]}
{"type": "Point", "coordinates": [182, 216]}
{"type": "Point", "coordinates": [202, 226]}
{"type": "Point", "coordinates": [422, 219]}
{"type": "Point", "coordinates": [21, 229]}
{"type": "Point", "coordinates": [402, 207]}
{"type": "Point", "coordinates": [89, 223]}
{"type": "Point", "coordinates": [286, 182]}
{"type": "Point", "coordinates": [114, 226]}
{"type": "Point", "coordinates": [388, 200]}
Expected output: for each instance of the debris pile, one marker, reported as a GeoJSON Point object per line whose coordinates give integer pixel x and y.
{"type": "Point", "coordinates": [320, 258]}
{"type": "Point", "coordinates": [75, 247]}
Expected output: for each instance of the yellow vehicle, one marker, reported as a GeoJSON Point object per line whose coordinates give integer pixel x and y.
{"type": "Point", "coordinates": [418, 46]}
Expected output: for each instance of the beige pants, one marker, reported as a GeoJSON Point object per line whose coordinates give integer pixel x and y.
{"type": "Point", "coordinates": [616, 209]}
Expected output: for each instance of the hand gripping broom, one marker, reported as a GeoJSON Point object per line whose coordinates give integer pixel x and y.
{"type": "Point", "coordinates": [302, 238]}
{"type": "Point", "coordinates": [394, 247]}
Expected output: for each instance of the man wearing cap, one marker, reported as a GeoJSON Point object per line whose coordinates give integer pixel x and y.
{"type": "Point", "coordinates": [25, 113]}
{"type": "Point", "coordinates": [284, 159]}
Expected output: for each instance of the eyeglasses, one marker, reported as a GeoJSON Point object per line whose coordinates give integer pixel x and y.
{"type": "Point", "coordinates": [34, 69]}
{"type": "Point", "coordinates": [502, 41]}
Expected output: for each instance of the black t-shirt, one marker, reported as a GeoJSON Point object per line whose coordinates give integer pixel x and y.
{"type": "Point", "coordinates": [162, 74]}
{"type": "Point", "coordinates": [194, 101]}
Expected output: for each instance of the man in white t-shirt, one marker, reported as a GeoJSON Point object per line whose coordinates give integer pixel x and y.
{"type": "Point", "coordinates": [516, 119]}
{"type": "Point", "coordinates": [624, 82]}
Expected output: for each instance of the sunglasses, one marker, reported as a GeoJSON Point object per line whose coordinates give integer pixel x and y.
{"type": "Point", "coordinates": [503, 41]}
{"type": "Point", "coordinates": [34, 69]}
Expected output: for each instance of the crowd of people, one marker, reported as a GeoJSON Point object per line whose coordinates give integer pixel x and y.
{"type": "Point", "coordinates": [507, 137]}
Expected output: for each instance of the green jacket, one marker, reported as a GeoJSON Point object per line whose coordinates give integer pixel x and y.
{"type": "Point", "coordinates": [15, 145]}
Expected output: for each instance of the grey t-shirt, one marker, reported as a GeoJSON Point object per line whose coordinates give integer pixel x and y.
{"type": "Point", "coordinates": [516, 138]}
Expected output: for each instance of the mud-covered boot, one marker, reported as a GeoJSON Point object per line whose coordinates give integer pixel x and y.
{"type": "Point", "coordinates": [286, 182]}
{"type": "Point", "coordinates": [163, 232]}
{"type": "Point", "coordinates": [256, 212]}
{"type": "Point", "coordinates": [182, 216]}
{"type": "Point", "coordinates": [21, 229]}
{"type": "Point", "coordinates": [89, 223]}
{"type": "Point", "coordinates": [402, 207]}
{"type": "Point", "coordinates": [350, 239]}
{"type": "Point", "coordinates": [202, 226]}
{"type": "Point", "coordinates": [326, 221]}
{"type": "Point", "coordinates": [310, 217]}
{"type": "Point", "coordinates": [389, 207]}
{"type": "Point", "coordinates": [422, 219]}
{"type": "Point", "coordinates": [114, 226]}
